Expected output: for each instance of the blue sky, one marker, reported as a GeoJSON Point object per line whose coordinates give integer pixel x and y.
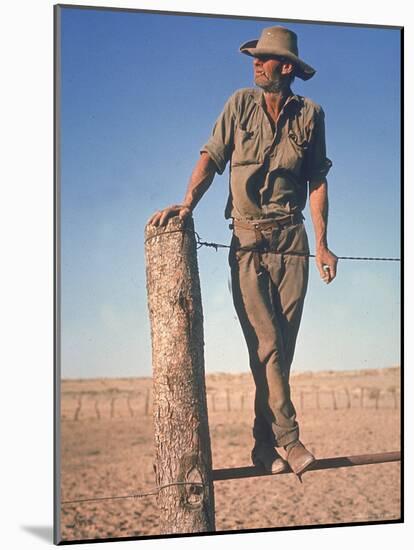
{"type": "Point", "coordinates": [139, 96]}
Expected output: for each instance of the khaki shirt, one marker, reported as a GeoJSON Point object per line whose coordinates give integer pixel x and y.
{"type": "Point", "coordinates": [269, 172]}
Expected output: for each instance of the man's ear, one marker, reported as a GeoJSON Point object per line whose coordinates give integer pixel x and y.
{"type": "Point", "coordinates": [287, 68]}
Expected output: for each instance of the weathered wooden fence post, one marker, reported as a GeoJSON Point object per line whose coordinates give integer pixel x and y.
{"type": "Point", "coordinates": [361, 401]}
{"type": "Point", "coordinates": [98, 414]}
{"type": "Point", "coordinates": [348, 398]}
{"type": "Point", "coordinates": [228, 399]}
{"type": "Point", "coordinates": [214, 401]}
{"type": "Point", "coordinates": [334, 403]}
{"type": "Point", "coordinates": [79, 407]}
{"type": "Point", "coordinates": [394, 393]}
{"type": "Point", "coordinates": [183, 462]}
{"type": "Point", "coordinates": [147, 402]}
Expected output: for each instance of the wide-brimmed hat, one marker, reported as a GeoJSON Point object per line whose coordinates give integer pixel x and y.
{"type": "Point", "coordinates": [280, 42]}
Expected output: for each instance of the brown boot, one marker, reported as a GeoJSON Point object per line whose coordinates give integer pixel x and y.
{"type": "Point", "coordinates": [298, 457]}
{"type": "Point", "coordinates": [265, 456]}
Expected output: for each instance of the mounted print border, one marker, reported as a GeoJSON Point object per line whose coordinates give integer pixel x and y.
{"type": "Point", "coordinates": [154, 398]}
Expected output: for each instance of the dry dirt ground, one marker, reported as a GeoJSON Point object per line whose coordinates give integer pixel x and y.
{"type": "Point", "coordinates": [107, 450]}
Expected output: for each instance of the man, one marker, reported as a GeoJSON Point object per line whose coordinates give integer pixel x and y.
{"type": "Point", "coordinates": [275, 142]}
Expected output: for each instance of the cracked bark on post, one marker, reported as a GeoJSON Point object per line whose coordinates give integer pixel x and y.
{"type": "Point", "coordinates": [182, 438]}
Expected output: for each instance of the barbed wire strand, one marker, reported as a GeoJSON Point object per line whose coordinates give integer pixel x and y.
{"type": "Point", "coordinates": [138, 495]}
{"type": "Point", "coordinates": [216, 246]}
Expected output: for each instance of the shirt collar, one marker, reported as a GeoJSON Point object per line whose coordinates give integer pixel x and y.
{"type": "Point", "coordinates": [259, 97]}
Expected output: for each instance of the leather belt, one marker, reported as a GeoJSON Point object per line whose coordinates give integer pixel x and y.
{"type": "Point", "coordinates": [262, 225]}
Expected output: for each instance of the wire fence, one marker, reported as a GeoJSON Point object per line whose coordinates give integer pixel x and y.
{"type": "Point", "coordinates": [155, 491]}
{"type": "Point", "coordinates": [216, 246]}
{"type": "Point", "coordinates": [252, 471]}
{"type": "Point", "coordinates": [84, 405]}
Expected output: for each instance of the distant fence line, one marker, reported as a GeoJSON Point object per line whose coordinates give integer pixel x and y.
{"type": "Point", "coordinates": [92, 404]}
{"type": "Point", "coordinates": [116, 404]}
{"type": "Point", "coordinates": [312, 398]}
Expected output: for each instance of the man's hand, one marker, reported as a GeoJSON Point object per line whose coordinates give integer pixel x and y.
{"type": "Point", "coordinates": [161, 218]}
{"type": "Point", "coordinates": [326, 262]}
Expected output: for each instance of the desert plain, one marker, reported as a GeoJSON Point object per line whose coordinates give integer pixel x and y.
{"type": "Point", "coordinates": [107, 450]}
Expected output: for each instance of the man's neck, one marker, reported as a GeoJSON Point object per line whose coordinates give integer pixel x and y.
{"type": "Point", "coordinates": [275, 100]}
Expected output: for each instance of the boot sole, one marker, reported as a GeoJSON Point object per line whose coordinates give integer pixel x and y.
{"type": "Point", "coordinates": [304, 466]}
{"type": "Point", "coordinates": [274, 470]}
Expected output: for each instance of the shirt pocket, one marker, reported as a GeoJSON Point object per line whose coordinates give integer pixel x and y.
{"type": "Point", "coordinates": [297, 144]}
{"type": "Point", "coordinates": [299, 139]}
{"type": "Point", "coordinates": [246, 146]}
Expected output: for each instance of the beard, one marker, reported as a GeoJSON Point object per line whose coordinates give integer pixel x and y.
{"type": "Point", "coordinates": [275, 85]}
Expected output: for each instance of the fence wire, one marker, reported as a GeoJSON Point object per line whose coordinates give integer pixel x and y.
{"type": "Point", "coordinates": [137, 495]}
{"type": "Point", "coordinates": [251, 471]}
{"type": "Point", "coordinates": [216, 246]}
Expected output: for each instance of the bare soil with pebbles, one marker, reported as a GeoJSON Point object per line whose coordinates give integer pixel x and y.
{"type": "Point", "coordinates": [107, 450]}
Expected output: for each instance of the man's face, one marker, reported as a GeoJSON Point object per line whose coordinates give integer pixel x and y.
{"type": "Point", "coordinates": [269, 73]}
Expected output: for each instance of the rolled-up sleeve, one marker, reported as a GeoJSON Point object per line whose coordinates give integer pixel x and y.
{"type": "Point", "coordinates": [318, 164]}
{"type": "Point", "coordinates": [220, 144]}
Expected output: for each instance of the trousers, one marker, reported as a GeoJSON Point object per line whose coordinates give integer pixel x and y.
{"type": "Point", "coordinates": [269, 306]}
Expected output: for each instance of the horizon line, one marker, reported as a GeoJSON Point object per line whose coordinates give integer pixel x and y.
{"type": "Point", "coordinates": [323, 371]}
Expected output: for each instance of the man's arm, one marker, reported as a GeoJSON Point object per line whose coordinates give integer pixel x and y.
{"type": "Point", "coordinates": [319, 206]}
{"type": "Point", "coordinates": [200, 180]}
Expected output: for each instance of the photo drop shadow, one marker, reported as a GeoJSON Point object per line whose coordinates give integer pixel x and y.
{"type": "Point", "coordinates": [44, 532]}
